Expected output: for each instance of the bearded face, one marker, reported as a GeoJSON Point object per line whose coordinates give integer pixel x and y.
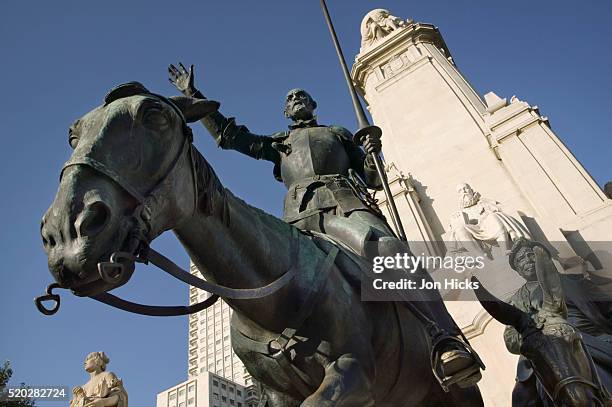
{"type": "Point", "coordinates": [467, 196]}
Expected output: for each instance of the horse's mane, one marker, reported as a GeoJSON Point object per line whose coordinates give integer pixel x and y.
{"type": "Point", "coordinates": [212, 195]}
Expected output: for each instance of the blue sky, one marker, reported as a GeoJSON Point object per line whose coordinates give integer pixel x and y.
{"type": "Point", "coordinates": [59, 59]}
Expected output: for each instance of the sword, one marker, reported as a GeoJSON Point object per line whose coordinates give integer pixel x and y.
{"type": "Point", "coordinates": [365, 128]}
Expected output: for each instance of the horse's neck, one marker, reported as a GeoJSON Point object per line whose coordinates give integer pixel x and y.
{"type": "Point", "coordinates": [233, 243]}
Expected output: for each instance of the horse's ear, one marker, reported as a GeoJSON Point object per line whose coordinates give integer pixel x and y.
{"type": "Point", "coordinates": [505, 313]}
{"type": "Point", "coordinates": [195, 109]}
{"type": "Point", "coordinates": [550, 281]}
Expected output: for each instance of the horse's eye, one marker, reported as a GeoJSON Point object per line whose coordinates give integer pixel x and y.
{"type": "Point", "coordinates": [73, 141]}
{"type": "Point", "coordinates": [155, 118]}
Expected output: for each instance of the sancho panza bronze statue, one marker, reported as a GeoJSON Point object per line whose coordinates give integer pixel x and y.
{"type": "Point", "coordinates": [318, 164]}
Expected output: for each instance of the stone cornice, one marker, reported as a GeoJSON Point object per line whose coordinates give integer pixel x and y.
{"type": "Point", "coordinates": [375, 54]}
{"type": "Point", "coordinates": [512, 120]}
{"type": "Point", "coordinates": [478, 325]}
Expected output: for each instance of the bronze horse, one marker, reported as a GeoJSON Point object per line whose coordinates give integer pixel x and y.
{"type": "Point", "coordinates": [565, 374]}
{"type": "Point", "coordinates": [134, 174]}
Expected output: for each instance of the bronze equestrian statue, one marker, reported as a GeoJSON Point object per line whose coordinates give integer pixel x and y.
{"type": "Point", "coordinates": [304, 332]}
{"type": "Point", "coordinates": [327, 176]}
{"type": "Point", "coordinates": [559, 365]}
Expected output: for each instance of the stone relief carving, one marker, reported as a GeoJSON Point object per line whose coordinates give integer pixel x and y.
{"type": "Point", "coordinates": [103, 388]}
{"type": "Point", "coordinates": [480, 223]}
{"type": "Point", "coordinates": [377, 24]}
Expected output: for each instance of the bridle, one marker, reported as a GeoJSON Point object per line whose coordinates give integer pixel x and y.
{"type": "Point", "coordinates": [596, 384]}
{"type": "Point", "coordinates": [136, 248]}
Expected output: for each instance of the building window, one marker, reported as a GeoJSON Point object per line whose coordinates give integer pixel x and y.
{"type": "Point", "coordinates": [238, 392]}
{"type": "Point", "coordinates": [215, 383]}
{"type": "Point", "coordinates": [223, 386]}
{"type": "Point", "coordinates": [172, 396]}
{"type": "Point", "coordinates": [190, 401]}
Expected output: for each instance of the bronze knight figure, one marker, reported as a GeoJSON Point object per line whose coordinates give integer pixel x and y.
{"type": "Point", "coordinates": [327, 176]}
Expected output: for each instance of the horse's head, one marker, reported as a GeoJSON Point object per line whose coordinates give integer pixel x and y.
{"type": "Point", "coordinates": [553, 346]}
{"type": "Point", "coordinates": [132, 158]}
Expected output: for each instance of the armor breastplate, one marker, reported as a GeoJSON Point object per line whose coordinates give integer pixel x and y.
{"type": "Point", "coordinates": [314, 151]}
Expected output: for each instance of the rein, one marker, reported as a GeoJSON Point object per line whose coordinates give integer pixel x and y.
{"type": "Point", "coordinates": [573, 379]}
{"type": "Point", "coordinates": [136, 249]}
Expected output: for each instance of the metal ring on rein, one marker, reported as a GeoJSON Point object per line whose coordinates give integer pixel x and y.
{"type": "Point", "coordinates": [49, 296]}
{"type": "Point", "coordinates": [110, 271]}
{"type": "Point", "coordinates": [114, 270]}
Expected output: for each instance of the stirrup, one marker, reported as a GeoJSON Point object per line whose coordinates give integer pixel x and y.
{"type": "Point", "coordinates": [464, 378]}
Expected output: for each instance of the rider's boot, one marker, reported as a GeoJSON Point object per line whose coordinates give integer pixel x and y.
{"type": "Point", "coordinates": [453, 360]}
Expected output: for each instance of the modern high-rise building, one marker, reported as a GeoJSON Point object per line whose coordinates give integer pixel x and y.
{"type": "Point", "coordinates": [209, 340]}
{"type": "Point", "coordinates": [204, 390]}
{"type": "Point", "coordinates": [216, 376]}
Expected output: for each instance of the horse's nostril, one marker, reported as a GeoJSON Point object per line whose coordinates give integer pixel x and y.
{"type": "Point", "coordinates": [48, 241]}
{"type": "Point", "coordinates": [47, 237]}
{"type": "Point", "coordinates": [93, 219]}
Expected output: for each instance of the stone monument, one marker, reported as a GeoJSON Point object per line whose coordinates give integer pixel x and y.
{"type": "Point", "coordinates": [429, 112]}
{"type": "Point", "coordinates": [103, 388]}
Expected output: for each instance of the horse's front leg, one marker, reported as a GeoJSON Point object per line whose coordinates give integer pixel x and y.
{"type": "Point", "coordinates": [347, 382]}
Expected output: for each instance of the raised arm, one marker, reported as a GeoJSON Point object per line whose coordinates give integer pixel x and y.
{"type": "Point", "coordinates": [225, 131]}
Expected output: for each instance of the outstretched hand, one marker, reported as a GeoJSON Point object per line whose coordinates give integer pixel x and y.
{"type": "Point", "coordinates": [182, 79]}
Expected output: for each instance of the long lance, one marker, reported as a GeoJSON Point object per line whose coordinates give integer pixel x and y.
{"type": "Point", "coordinates": [365, 128]}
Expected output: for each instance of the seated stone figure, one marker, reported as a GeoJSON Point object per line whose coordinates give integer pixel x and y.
{"type": "Point", "coordinates": [104, 389]}
{"type": "Point", "coordinates": [327, 175]}
{"type": "Point", "coordinates": [587, 311]}
{"type": "Point", "coordinates": [481, 222]}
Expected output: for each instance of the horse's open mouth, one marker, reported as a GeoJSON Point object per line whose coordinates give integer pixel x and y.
{"type": "Point", "coordinates": [100, 278]}
{"type": "Point", "coordinates": [89, 289]}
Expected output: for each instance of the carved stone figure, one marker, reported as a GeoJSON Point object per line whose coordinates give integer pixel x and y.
{"type": "Point", "coordinates": [377, 24]}
{"type": "Point", "coordinates": [481, 222]}
{"type": "Point", "coordinates": [104, 389]}
{"type": "Point", "coordinates": [135, 174]}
